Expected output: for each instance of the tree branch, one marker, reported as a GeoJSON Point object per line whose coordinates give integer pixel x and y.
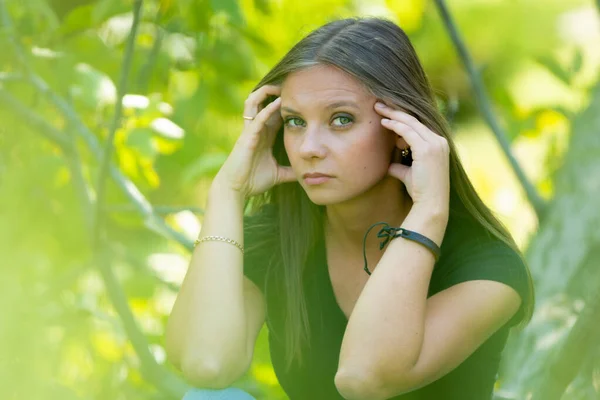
{"type": "Point", "coordinates": [566, 362]}
{"type": "Point", "coordinates": [81, 185]}
{"type": "Point", "coordinates": [486, 109]}
{"type": "Point", "coordinates": [137, 199]}
{"type": "Point", "coordinates": [37, 122]}
{"type": "Point", "coordinates": [10, 76]}
{"type": "Point", "coordinates": [153, 372]}
{"type": "Point", "coordinates": [146, 70]}
{"type": "Point", "coordinates": [152, 221]}
{"type": "Point", "coordinates": [109, 145]}
{"type": "Point", "coordinates": [563, 258]}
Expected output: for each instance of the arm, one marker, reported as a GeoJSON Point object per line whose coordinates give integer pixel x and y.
{"type": "Point", "coordinates": [397, 340]}
{"type": "Point", "coordinates": [206, 331]}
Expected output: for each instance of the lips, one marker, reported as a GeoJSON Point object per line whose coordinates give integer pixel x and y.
{"type": "Point", "coordinates": [316, 178]}
{"type": "Point", "coordinates": [316, 175]}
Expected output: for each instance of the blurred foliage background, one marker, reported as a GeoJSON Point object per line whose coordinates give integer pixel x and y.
{"type": "Point", "coordinates": [90, 271]}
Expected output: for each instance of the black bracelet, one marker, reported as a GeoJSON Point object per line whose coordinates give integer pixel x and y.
{"type": "Point", "coordinates": [390, 233]}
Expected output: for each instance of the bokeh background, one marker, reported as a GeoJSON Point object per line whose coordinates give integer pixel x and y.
{"type": "Point", "coordinates": [115, 116]}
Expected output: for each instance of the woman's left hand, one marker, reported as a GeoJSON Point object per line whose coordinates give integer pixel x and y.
{"type": "Point", "coordinates": [427, 180]}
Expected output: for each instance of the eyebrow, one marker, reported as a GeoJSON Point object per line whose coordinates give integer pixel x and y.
{"type": "Point", "coordinates": [328, 107]}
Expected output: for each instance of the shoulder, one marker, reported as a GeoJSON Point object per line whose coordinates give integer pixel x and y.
{"type": "Point", "coordinates": [465, 237]}
{"type": "Point", "coordinates": [473, 253]}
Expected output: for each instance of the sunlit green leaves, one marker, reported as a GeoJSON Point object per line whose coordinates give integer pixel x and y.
{"type": "Point", "coordinates": [565, 73]}
{"type": "Point", "coordinates": [230, 8]}
{"type": "Point", "coordinates": [194, 63]}
{"type": "Point", "coordinates": [140, 139]}
{"type": "Point", "coordinates": [205, 166]}
{"type": "Point", "coordinates": [104, 9]}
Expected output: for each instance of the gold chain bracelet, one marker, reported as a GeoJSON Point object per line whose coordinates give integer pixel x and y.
{"type": "Point", "coordinates": [221, 239]}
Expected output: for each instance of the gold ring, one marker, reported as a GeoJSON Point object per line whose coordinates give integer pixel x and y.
{"type": "Point", "coordinates": [404, 152]}
{"type": "Point", "coordinates": [249, 118]}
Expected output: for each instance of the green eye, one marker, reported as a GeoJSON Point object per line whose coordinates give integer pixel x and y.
{"type": "Point", "coordinates": [345, 120]}
{"type": "Point", "coordinates": [287, 122]}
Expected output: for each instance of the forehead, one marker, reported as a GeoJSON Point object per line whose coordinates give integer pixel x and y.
{"type": "Point", "coordinates": [321, 84]}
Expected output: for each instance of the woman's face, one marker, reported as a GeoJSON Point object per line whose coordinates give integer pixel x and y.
{"type": "Point", "coordinates": [331, 127]}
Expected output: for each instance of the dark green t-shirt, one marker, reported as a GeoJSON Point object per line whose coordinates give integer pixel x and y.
{"type": "Point", "coordinates": [467, 253]}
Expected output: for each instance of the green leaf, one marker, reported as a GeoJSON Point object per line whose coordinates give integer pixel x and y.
{"type": "Point", "coordinates": [231, 8]}
{"type": "Point", "coordinates": [140, 285]}
{"type": "Point", "coordinates": [91, 87]}
{"type": "Point", "coordinates": [577, 61]}
{"type": "Point", "coordinates": [194, 16]}
{"type": "Point", "coordinates": [233, 59]}
{"type": "Point", "coordinates": [253, 37]}
{"type": "Point", "coordinates": [78, 20]}
{"type": "Point", "coordinates": [141, 140]}
{"type": "Point", "coordinates": [104, 9]}
{"type": "Point", "coordinates": [48, 14]}
{"type": "Point", "coordinates": [208, 165]}
{"type": "Point", "coordinates": [555, 68]}
{"type": "Point", "coordinates": [263, 6]}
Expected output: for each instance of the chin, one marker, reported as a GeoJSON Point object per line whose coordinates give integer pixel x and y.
{"type": "Point", "coordinates": [330, 197]}
{"type": "Point", "coordinates": [323, 199]}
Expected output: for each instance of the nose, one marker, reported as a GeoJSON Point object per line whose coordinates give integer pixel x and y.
{"type": "Point", "coordinates": [311, 144]}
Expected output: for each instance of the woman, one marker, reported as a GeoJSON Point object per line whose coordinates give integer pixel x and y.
{"type": "Point", "coordinates": [423, 313]}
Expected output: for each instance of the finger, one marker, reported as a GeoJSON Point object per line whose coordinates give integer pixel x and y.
{"type": "Point", "coordinates": [407, 119]}
{"type": "Point", "coordinates": [414, 140]}
{"type": "Point", "coordinates": [264, 115]}
{"type": "Point", "coordinates": [273, 125]}
{"type": "Point", "coordinates": [285, 175]}
{"type": "Point", "coordinates": [399, 171]}
{"type": "Point", "coordinates": [256, 98]}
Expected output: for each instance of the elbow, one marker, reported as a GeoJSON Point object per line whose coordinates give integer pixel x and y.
{"type": "Point", "coordinates": [173, 348]}
{"type": "Point", "coordinates": [358, 385]}
{"type": "Point", "coordinates": [200, 367]}
{"type": "Point", "coordinates": [210, 373]}
{"type": "Point", "coordinates": [205, 374]}
{"type": "Point", "coordinates": [172, 353]}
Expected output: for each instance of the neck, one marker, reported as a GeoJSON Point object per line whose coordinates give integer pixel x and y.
{"type": "Point", "coordinates": [347, 223]}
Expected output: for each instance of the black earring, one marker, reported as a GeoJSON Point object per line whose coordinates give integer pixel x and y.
{"type": "Point", "coordinates": [406, 157]}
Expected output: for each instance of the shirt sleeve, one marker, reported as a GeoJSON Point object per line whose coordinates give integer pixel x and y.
{"type": "Point", "coordinates": [489, 260]}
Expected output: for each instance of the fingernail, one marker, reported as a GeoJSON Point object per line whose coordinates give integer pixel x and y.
{"type": "Point", "coordinates": [379, 104]}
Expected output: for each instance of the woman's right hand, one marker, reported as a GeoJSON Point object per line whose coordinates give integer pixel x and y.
{"type": "Point", "coordinates": [251, 168]}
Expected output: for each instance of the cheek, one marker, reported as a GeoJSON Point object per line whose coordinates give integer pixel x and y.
{"type": "Point", "coordinates": [376, 147]}
{"type": "Point", "coordinates": [288, 145]}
